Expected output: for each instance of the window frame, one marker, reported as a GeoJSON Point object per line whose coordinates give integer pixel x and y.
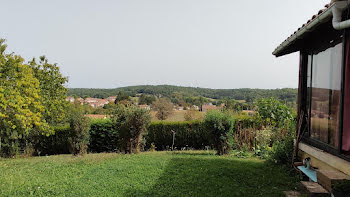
{"type": "Point", "coordinates": [305, 54]}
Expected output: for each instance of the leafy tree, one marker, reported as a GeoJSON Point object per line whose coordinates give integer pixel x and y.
{"type": "Point", "coordinates": [20, 103]}
{"type": "Point", "coordinates": [273, 113]}
{"type": "Point", "coordinates": [80, 126]}
{"type": "Point", "coordinates": [163, 107]}
{"type": "Point", "coordinates": [233, 105]}
{"type": "Point", "coordinates": [52, 90]}
{"type": "Point", "coordinates": [146, 99]}
{"type": "Point", "coordinates": [131, 122]}
{"type": "Point", "coordinates": [220, 125]}
{"type": "Point", "coordinates": [121, 96]}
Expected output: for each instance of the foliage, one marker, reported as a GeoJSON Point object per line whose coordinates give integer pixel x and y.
{"type": "Point", "coordinates": [163, 107]}
{"type": "Point", "coordinates": [58, 143]}
{"type": "Point", "coordinates": [121, 96]}
{"type": "Point", "coordinates": [220, 125]}
{"type": "Point", "coordinates": [103, 136]}
{"type": "Point", "coordinates": [80, 126]}
{"type": "Point", "coordinates": [20, 106]}
{"type": "Point", "coordinates": [234, 106]}
{"type": "Point", "coordinates": [188, 134]}
{"type": "Point", "coordinates": [186, 173]}
{"type": "Point", "coordinates": [146, 99]}
{"type": "Point", "coordinates": [273, 113]}
{"type": "Point", "coordinates": [192, 95]}
{"type": "Point", "coordinates": [52, 90]}
{"type": "Point", "coordinates": [282, 149]}
{"type": "Point", "coordinates": [131, 123]}
{"type": "Point", "coordinates": [341, 187]}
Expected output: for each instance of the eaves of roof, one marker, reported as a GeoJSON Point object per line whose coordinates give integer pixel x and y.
{"type": "Point", "coordinates": [322, 16]}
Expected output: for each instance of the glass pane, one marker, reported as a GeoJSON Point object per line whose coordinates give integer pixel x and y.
{"type": "Point", "coordinates": [308, 85]}
{"type": "Point", "coordinates": [325, 99]}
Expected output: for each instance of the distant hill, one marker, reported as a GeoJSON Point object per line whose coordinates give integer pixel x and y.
{"type": "Point", "coordinates": [249, 95]}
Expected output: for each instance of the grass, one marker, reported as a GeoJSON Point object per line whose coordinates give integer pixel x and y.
{"type": "Point", "coordinates": [191, 173]}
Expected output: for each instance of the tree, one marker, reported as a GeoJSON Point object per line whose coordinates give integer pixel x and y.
{"type": "Point", "coordinates": [52, 91]}
{"type": "Point", "coordinates": [220, 125]}
{"type": "Point", "coordinates": [273, 113]}
{"type": "Point", "coordinates": [163, 107]}
{"type": "Point", "coordinates": [233, 105]}
{"type": "Point", "coordinates": [121, 96]}
{"type": "Point", "coordinates": [131, 122]}
{"type": "Point", "coordinates": [80, 126]}
{"type": "Point", "coordinates": [146, 99]}
{"type": "Point", "coordinates": [20, 102]}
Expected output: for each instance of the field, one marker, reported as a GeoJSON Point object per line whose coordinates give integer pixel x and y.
{"type": "Point", "coordinates": [192, 173]}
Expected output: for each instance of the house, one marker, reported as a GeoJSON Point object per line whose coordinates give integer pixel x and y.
{"type": "Point", "coordinates": [180, 108]}
{"type": "Point", "coordinates": [70, 99]}
{"type": "Point", "coordinates": [323, 133]}
{"type": "Point", "coordinates": [195, 107]}
{"type": "Point", "coordinates": [96, 102]}
{"type": "Point", "coordinates": [111, 99]}
{"type": "Point", "coordinates": [147, 107]}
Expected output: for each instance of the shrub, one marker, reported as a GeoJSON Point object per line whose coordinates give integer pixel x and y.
{"type": "Point", "coordinates": [220, 125]}
{"type": "Point", "coordinates": [103, 136]}
{"type": "Point", "coordinates": [54, 144]}
{"type": "Point", "coordinates": [80, 126]}
{"type": "Point", "coordinates": [273, 113]}
{"type": "Point", "coordinates": [282, 149]}
{"type": "Point", "coordinates": [131, 123]}
{"type": "Point", "coordinates": [187, 134]}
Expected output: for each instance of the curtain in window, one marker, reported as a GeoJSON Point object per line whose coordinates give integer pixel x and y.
{"type": "Point", "coordinates": [346, 118]}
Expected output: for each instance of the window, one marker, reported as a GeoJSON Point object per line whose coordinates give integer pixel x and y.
{"type": "Point", "coordinates": [324, 94]}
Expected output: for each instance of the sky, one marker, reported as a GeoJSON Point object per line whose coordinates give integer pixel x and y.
{"type": "Point", "coordinates": [222, 44]}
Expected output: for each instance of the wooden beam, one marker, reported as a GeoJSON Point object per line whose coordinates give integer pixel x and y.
{"type": "Point", "coordinates": [331, 160]}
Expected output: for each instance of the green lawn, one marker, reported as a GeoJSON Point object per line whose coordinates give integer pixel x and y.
{"type": "Point", "coordinates": [195, 173]}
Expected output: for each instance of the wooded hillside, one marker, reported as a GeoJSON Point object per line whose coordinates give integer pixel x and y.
{"type": "Point", "coordinates": [285, 94]}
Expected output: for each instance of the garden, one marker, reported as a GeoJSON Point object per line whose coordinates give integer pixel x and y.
{"type": "Point", "coordinates": [49, 147]}
{"type": "Point", "coordinates": [179, 173]}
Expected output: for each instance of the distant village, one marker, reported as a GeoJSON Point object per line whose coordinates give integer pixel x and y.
{"type": "Point", "coordinates": [97, 102]}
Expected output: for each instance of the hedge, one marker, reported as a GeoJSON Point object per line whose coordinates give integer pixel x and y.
{"type": "Point", "coordinates": [53, 144]}
{"type": "Point", "coordinates": [187, 134]}
{"type": "Point", "coordinates": [104, 138]}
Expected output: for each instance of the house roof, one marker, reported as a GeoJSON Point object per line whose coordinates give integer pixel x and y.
{"type": "Point", "coordinates": [289, 45]}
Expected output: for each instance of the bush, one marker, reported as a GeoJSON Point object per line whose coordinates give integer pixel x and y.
{"type": "Point", "coordinates": [103, 136]}
{"type": "Point", "coordinates": [53, 144]}
{"type": "Point", "coordinates": [131, 123]}
{"type": "Point", "coordinates": [187, 134]}
{"type": "Point", "coordinates": [220, 125]}
{"type": "Point", "coordinates": [282, 149]}
{"type": "Point", "coordinates": [80, 126]}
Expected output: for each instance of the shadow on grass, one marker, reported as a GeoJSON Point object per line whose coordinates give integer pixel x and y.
{"type": "Point", "coordinates": [215, 176]}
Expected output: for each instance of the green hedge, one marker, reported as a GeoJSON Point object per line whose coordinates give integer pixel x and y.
{"type": "Point", "coordinates": [103, 137]}
{"type": "Point", "coordinates": [53, 144]}
{"type": "Point", "coordinates": [188, 134]}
